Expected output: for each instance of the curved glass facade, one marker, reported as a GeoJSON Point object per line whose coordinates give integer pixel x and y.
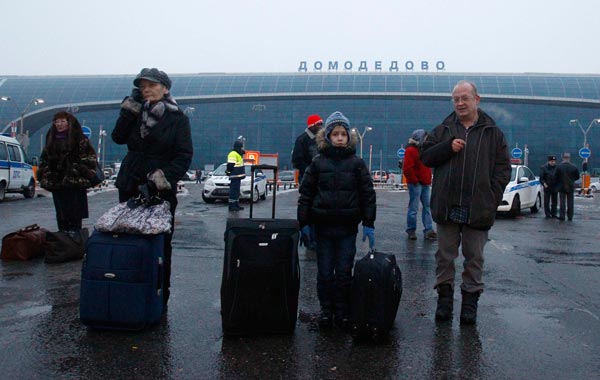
{"type": "Point", "coordinates": [270, 110]}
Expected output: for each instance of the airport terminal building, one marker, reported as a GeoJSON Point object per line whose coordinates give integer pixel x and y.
{"type": "Point", "coordinates": [547, 112]}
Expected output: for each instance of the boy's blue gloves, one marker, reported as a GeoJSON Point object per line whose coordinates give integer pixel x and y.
{"type": "Point", "coordinates": [306, 230]}
{"type": "Point", "coordinates": [305, 235]}
{"type": "Point", "coordinates": [369, 232]}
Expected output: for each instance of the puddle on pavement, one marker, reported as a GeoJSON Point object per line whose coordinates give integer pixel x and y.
{"type": "Point", "coordinates": [33, 311]}
{"type": "Point", "coordinates": [12, 276]}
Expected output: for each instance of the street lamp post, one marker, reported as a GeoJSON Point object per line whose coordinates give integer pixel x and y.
{"type": "Point", "coordinates": [21, 137]}
{"type": "Point", "coordinates": [585, 178]}
{"type": "Point", "coordinates": [575, 122]}
{"type": "Point", "coordinates": [101, 147]}
{"type": "Point", "coordinates": [361, 136]}
{"type": "Point", "coordinates": [12, 124]}
{"type": "Point", "coordinates": [35, 102]}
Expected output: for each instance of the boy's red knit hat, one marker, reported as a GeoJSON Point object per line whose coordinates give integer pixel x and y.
{"type": "Point", "coordinates": [313, 120]}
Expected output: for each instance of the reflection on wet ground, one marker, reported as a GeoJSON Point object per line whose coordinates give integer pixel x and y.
{"type": "Point", "coordinates": [539, 315]}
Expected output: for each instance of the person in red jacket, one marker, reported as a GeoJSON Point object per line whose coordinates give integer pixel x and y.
{"type": "Point", "coordinates": [418, 178]}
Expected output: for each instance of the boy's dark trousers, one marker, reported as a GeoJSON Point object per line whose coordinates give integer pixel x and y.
{"type": "Point", "coordinates": [335, 258]}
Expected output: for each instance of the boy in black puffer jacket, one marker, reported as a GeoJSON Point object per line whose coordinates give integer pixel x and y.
{"type": "Point", "coordinates": [336, 195]}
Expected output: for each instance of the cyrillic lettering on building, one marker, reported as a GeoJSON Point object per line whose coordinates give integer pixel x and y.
{"type": "Point", "coordinates": [363, 66]}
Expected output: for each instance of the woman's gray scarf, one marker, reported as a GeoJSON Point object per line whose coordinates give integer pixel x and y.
{"type": "Point", "coordinates": [152, 113]}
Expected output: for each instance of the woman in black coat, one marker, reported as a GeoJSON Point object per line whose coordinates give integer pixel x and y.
{"type": "Point", "coordinates": [67, 167]}
{"type": "Point", "coordinates": [159, 142]}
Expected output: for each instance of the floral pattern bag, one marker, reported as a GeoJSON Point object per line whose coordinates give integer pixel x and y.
{"type": "Point", "coordinates": [136, 217]}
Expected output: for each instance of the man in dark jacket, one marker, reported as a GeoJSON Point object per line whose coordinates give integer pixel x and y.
{"type": "Point", "coordinates": [469, 156]}
{"type": "Point", "coordinates": [550, 183]}
{"type": "Point", "coordinates": [305, 149]}
{"type": "Point", "coordinates": [159, 146]}
{"type": "Point", "coordinates": [566, 175]}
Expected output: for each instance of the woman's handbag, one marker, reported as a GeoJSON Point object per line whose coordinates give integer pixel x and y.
{"type": "Point", "coordinates": [138, 217]}
{"type": "Point", "coordinates": [24, 244]}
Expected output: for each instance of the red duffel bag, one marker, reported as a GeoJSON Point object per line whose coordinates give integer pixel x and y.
{"type": "Point", "coordinates": [24, 244]}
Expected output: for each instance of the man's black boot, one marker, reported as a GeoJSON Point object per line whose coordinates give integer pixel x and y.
{"type": "Point", "coordinates": [235, 206]}
{"type": "Point", "coordinates": [468, 310]}
{"type": "Point", "coordinates": [445, 303]}
{"type": "Point", "coordinates": [325, 318]}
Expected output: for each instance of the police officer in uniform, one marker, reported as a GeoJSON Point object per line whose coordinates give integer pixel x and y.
{"type": "Point", "coordinates": [235, 171]}
{"type": "Point", "coordinates": [549, 181]}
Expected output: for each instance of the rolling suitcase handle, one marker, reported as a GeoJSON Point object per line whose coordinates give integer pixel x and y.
{"type": "Point", "coordinates": [262, 167]}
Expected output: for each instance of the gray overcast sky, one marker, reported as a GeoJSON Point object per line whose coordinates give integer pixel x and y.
{"type": "Point", "coordinates": [62, 37]}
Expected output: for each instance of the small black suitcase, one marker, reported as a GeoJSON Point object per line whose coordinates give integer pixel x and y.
{"type": "Point", "coordinates": [261, 273]}
{"type": "Point", "coordinates": [376, 292]}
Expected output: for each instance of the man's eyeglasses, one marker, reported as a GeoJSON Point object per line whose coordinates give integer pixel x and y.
{"type": "Point", "coordinates": [462, 99]}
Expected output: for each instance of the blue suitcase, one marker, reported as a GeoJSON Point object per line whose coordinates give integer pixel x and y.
{"type": "Point", "coordinates": [122, 281]}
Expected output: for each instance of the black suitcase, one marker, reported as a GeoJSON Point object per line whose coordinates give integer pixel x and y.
{"type": "Point", "coordinates": [376, 292]}
{"type": "Point", "coordinates": [261, 273]}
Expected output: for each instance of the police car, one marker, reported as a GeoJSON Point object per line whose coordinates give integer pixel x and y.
{"type": "Point", "coordinates": [523, 191]}
{"type": "Point", "coordinates": [16, 174]}
{"type": "Point", "coordinates": [217, 185]}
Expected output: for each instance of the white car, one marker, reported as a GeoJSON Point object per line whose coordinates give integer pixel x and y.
{"type": "Point", "coordinates": [595, 186]}
{"type": "Point", "coordinates": [16, 172]}
{"type": "Point", "coordinates": [217, 185]}
{"type": "Point", "coordinates": [523, 191]}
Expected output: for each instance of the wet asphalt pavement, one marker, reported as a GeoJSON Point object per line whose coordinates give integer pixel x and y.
{"type": "Point", "coordinates": [539, 317]}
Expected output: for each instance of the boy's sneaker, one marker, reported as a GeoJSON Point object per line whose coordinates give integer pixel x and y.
{"type": "Point", "coordinates": [430, 235]}
{"type": "Point", "coordinates": [411, 235]}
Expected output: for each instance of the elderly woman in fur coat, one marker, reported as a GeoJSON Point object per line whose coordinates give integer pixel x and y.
{"type": "Point", "coordinates": [67, 168]}
{"type": "Point", "coordinates": [336, 195]}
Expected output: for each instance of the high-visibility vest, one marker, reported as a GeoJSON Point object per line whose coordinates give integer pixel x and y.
{"type": "Point", "coordinates": [238, 164]}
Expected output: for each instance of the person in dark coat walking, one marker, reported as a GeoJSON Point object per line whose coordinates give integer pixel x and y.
{"type": "Point", "coordinates": [336, 195]}
{"type": "Point", "coordinates": [566, 174]}
{"type": "Point", "coordinates": [305, 149]}
{"type": "Point", "coordinates": [550, 183]}
{"type": "Point", "coordinates": [469, 155]}
{"type": "Point", "coordinates": [67, 167]}
{"type": "Point", "coordinates": [159, 146]}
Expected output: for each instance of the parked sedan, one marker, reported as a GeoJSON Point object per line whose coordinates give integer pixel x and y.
{"type": "Point", "coordinates": [217, 185]}
{"type": "Point", "coordinates": [523, 191]}
{"type": "Point", "coordinates": [287, 176]}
